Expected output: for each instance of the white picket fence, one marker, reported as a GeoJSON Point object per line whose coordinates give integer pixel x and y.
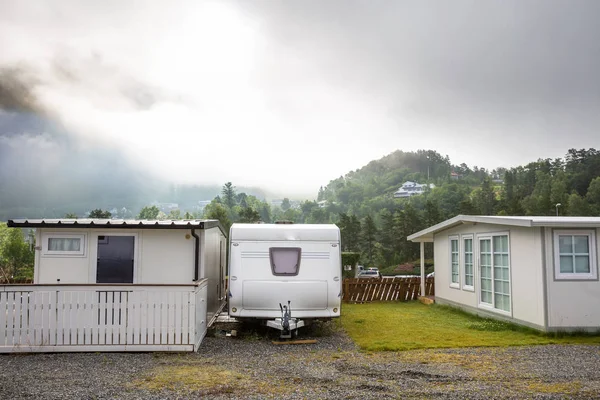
{"type": "Point", "coordinates": [50, 318]}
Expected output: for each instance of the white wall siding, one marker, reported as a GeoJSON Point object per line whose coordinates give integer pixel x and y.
{"type": "Point", "coordinates": [167, 256]}
{"type": "Point", "coordinates": [163, 256]}
{"type": "Point", "coordinates": [571, 304]}
{"type": "Point", "coordinates": [527, 303]}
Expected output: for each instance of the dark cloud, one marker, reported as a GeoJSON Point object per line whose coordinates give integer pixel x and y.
{"type": "Point", "coordinates": [525, 68]}
{"type": "Point", "coordinates": [16, 91]}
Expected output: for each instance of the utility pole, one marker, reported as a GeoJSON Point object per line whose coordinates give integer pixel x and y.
{"type": "Point", "coordinates": [428, 168]}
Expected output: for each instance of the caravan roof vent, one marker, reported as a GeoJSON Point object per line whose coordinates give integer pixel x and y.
{"type": "Point", "coordinates": [284, 222]}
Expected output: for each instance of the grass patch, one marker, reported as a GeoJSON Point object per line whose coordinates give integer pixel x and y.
{"type": "Point", "coordinates": [205, 378]}
{"type": "Point", "coordinates": [412, 325]}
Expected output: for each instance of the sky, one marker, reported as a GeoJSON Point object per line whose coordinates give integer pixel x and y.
{"type": "Point", "coordinates": [287, 95]}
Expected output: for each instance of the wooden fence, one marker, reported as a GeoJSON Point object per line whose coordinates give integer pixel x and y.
{"type": "Point", "coordinates": [48, 318]}
{"type": "Point", "coordinates": [385, 289]}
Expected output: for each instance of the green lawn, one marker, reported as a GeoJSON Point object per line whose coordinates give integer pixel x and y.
{"type": "Point", "coordinates": [412, 325]}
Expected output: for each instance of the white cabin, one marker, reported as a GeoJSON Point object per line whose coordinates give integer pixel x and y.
{"type": "Point", "coordinates": [271, 264]}
{"type": "Point", "coordinates": [116, 285]}
{"type": "Point", "coordinates": [540, 272]}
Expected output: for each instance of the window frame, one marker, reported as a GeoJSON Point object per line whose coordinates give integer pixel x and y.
{"type": "Point", "coordinates": [454, 285]}
{"type": "Point", "coordinates": [469, 288]}
{"type": "Point", "coordinates": [492, 306]}
{"type": "Point", "coordinates": [46, 252]}
{"type": "Point", "coordinates": [297, 249]}
{"type": "Point", "coordinates": [575, 276]}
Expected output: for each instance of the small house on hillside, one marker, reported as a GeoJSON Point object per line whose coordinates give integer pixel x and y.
{"type": "Point", "coordinates": [116, 285]}
{"type": "Point", "coordinates": [409, 189]}
{"type": "Point", "coordinates": [540, 272]}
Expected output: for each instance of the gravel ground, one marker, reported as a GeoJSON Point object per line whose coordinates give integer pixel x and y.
{"type": "Point", "coordinates": [250, 366]}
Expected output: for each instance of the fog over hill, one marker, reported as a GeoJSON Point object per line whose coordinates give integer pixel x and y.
{"type": "Point", "coordinates": [44, 172]}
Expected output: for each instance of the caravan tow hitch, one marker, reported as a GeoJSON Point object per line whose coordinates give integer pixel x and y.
{"type": "Point", "coordinates": [286, 324]}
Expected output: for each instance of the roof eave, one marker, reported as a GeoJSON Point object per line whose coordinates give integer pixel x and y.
{"type": "Point", "coordinates": [426, 235]}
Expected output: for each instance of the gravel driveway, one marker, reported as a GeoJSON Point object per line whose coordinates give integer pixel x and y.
{"type": "Point", "coordinates": [250, 366]}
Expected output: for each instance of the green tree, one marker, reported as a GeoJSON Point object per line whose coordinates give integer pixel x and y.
{"type": "Point", "coordinates": [16, 255]}
{"type": "Point", "coordinates": [285, 204]}
{"type": "Point", "coordinates": [228, 192]}
{"type": "Point", "coordinates": [264, 209]}
{"type": "Point", "coordinates": [249, 215]}
{"type": "Point", "coordinates": [593, 196]}
{"type": "Point", "coordinates": [486, 198]}
{"type": "Point", "coordinates": [149, 212]}
{"type": "Point", "coordinates": [432, 213]}
{"type": "Point", "coordinates": [369, 235]}
{"type": "Point", "coordinates": [388, 236]}
{"type": "Point", "coordinates": [577, 206]}
{"type": "Point", "coordinates": [99, 213]}
{"type": "Point", "coordinates": [71, 215]}
{"type": "Point", "coordinates": [217, 211]}
{"type": "Point", "coordinates": [174, 214]}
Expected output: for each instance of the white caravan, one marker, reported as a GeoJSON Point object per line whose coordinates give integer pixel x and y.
{"type": "Point", "coordinates": [285, 274]}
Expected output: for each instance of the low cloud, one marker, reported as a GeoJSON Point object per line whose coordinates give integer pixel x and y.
{"type": "Point", "coordinates": [290, 95]}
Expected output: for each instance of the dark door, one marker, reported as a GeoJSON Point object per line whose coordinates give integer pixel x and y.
{"type": "Point", "coordinates": [115, 259]}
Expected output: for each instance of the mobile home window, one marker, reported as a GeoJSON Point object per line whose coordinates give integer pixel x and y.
{"type": "Point", "coordinates": [468, 262]}
{"type": "Point", "coordinates": [285, 261]}
{"type": "Point", "coordinates": [575, 255]}
{"type": "Point", "coordinates": [63, 244]}
{"type": "Point", "coordinates": [454, 262]}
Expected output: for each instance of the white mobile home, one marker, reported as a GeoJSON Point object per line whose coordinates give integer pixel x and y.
{"type": "Point", "coordinates": [116, 285]}
{"type": "Point", "coordinates": [536, 271]}
{"type": "Point", "coordinates": [280, 264]}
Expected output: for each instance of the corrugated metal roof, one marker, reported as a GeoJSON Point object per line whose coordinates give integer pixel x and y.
{"type": "Point", "coordinates": [426, 235]}
{"type": "Point", "coordinates": [285, 232]}
{"type": "Point", "coordinates": [115, 223]}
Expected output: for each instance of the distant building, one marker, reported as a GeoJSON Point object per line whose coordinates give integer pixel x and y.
{"type": "Point", "coordinates": [166, 207]}
{"type": "Point", "coordinates": [409, 189]}
{"type": "Point", "coordinates": [455, 175]}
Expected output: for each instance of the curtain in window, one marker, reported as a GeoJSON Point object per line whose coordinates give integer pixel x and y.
{"type": "Point", "coordinates": [64, 244]}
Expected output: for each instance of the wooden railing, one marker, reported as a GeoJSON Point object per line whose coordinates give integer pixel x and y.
{"type": "Point", "coordinates": [385, 289]}
{"type": "Point", "coordinates": [42, 318]}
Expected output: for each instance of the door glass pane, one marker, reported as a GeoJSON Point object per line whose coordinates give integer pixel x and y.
{"type": "Point", "coordinates": [468, 245]}
{"type": "Point", "coordinates": [581, 244]}
{"type": "Point", "coordinates": [115, 259]}
{"type": "Point", "coordinates": [500, 244]}
{"type": "Point", "coordinates": [582, 264]}
{"type": "Point", "coordinates": [566, 264]}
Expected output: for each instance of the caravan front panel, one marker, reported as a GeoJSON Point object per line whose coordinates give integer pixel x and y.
{"type": "Point", "coordinates": [276, 264]}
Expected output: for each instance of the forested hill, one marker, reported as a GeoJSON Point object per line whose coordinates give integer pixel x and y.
{"type": "Point", "coordinates": [375, 223]}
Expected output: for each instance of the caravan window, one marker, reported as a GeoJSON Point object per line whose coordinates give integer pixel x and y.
{"type": "Point", "coordinates": [285, 260]}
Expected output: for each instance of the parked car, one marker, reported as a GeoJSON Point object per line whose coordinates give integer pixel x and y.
{"type": "Point", "coordinates": [369, 274]}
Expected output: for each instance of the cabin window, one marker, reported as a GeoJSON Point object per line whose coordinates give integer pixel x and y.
{"type": "Point", "coordinates": [494, 264]}
{"type": "Point", "coordinates": [61, 244]}
{"type": "Point", "coordinates": [285, 261]}
{"type": "Point", "coordinates": [575, 254]}
{"type": "Point", "coordinates": [468, 262]}
{"type": "Point", "coordinates": [454, 263]}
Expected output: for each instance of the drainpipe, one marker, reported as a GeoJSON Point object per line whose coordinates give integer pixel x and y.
{"type": "Point", "coordinates": [196, 256]}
